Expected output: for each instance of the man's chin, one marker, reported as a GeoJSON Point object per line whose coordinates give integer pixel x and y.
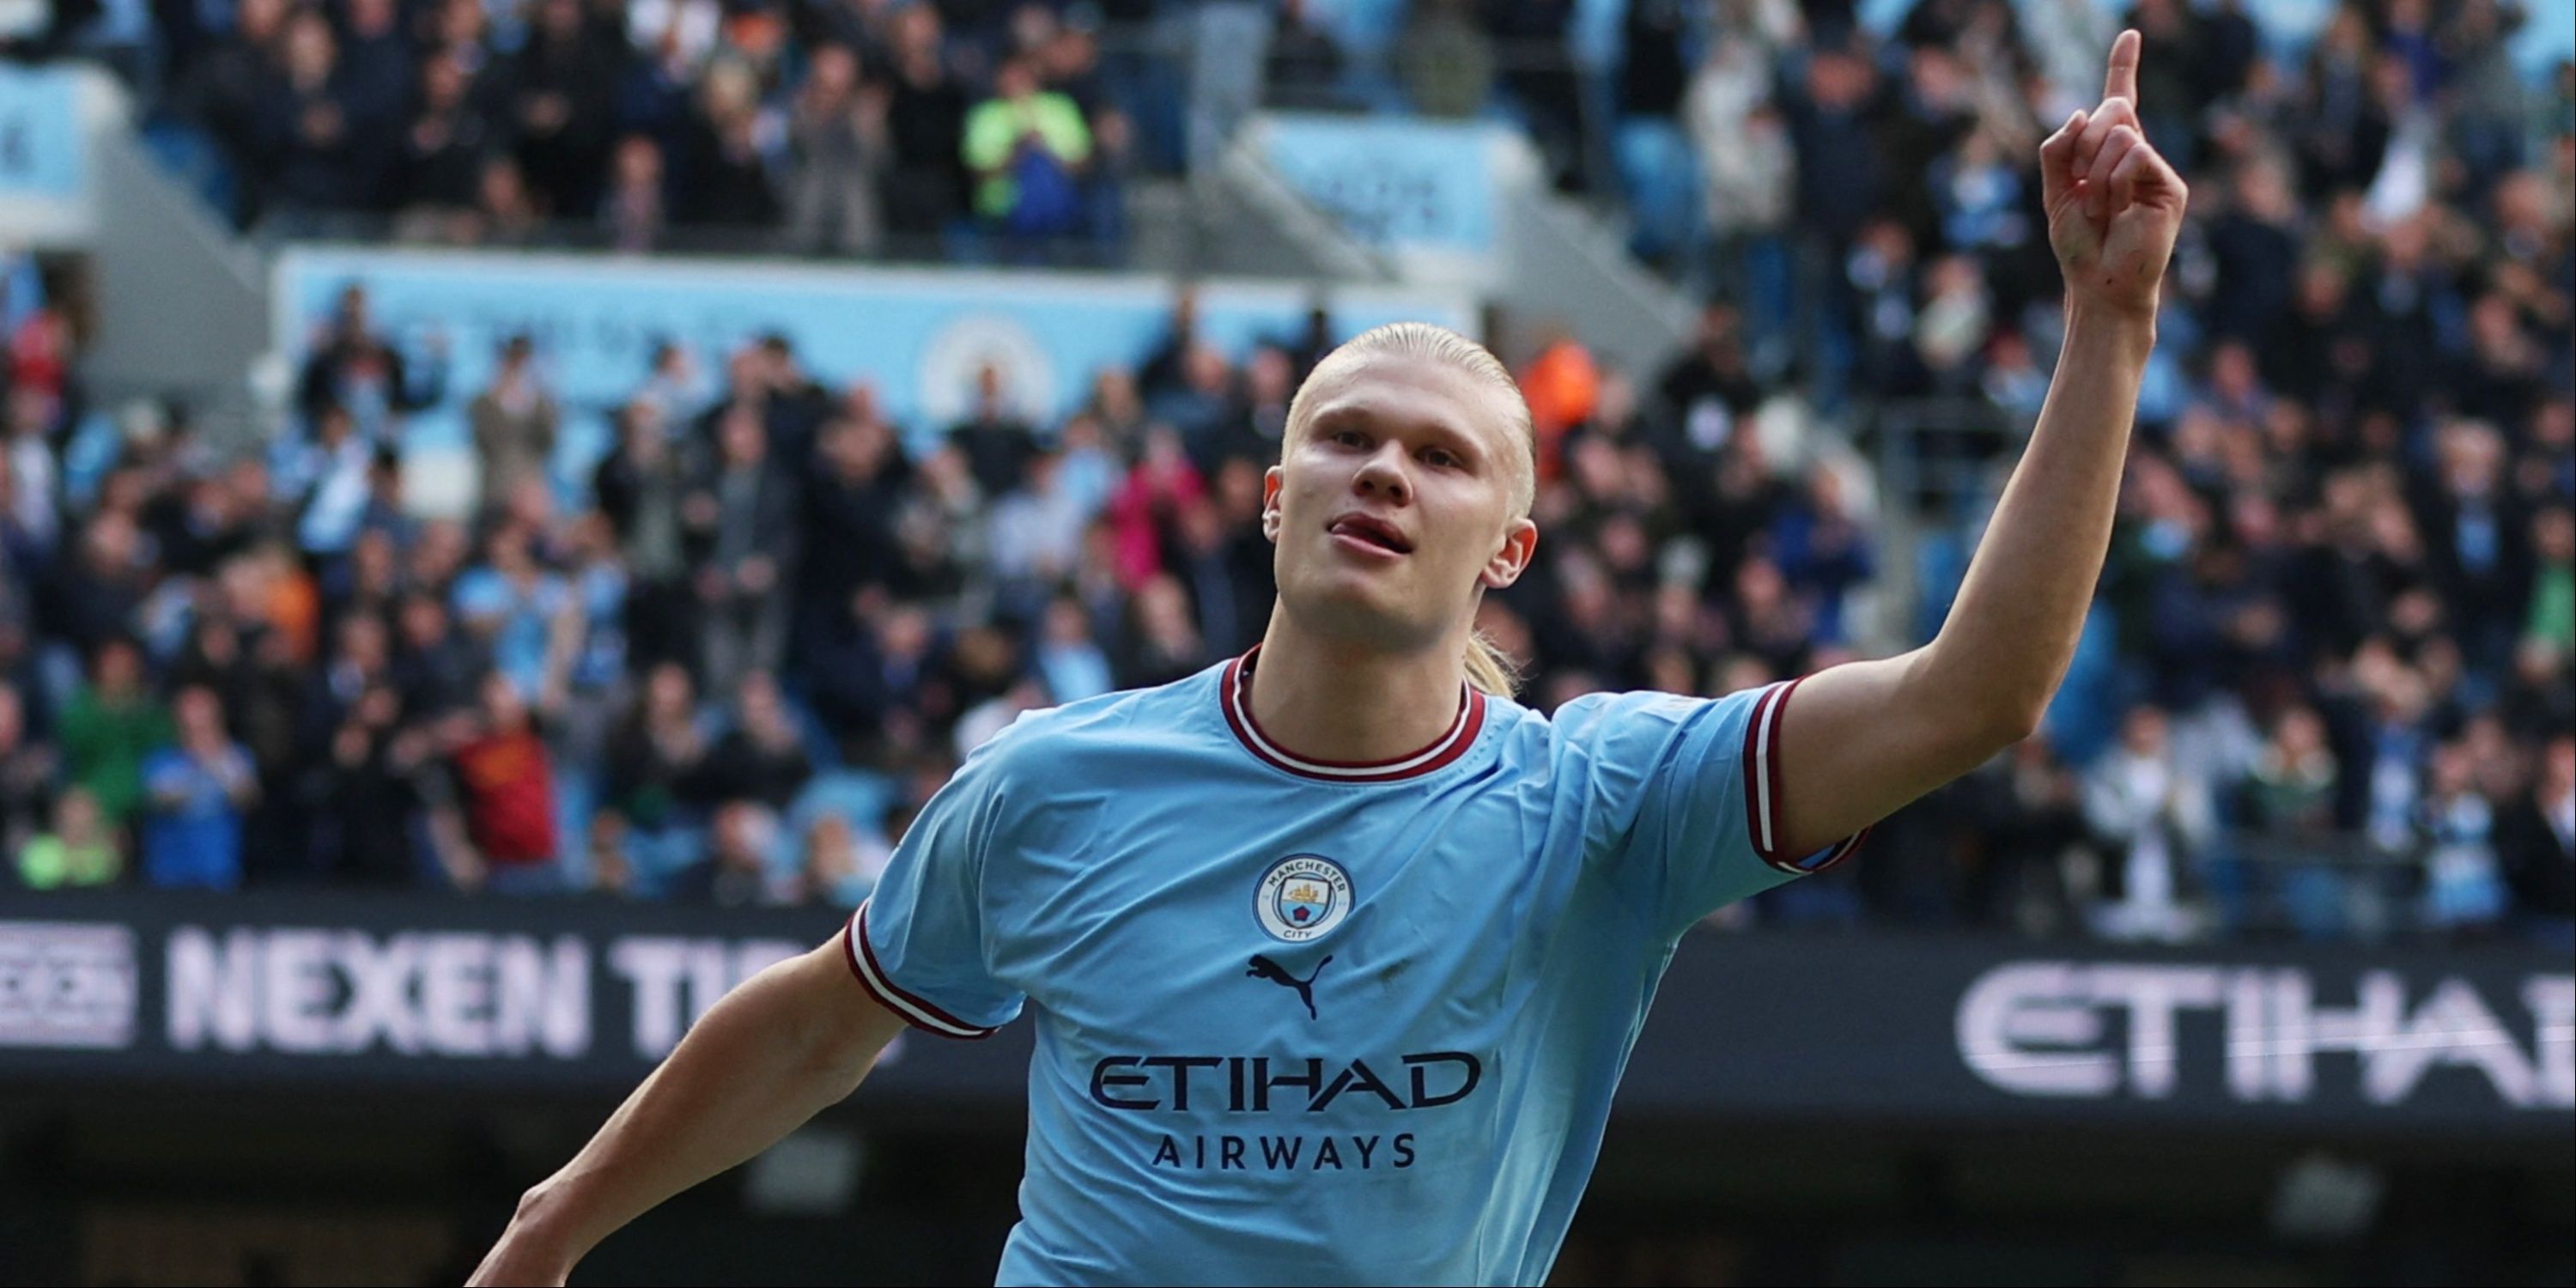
{"type": "Point", "coordinates": [1357, 609]}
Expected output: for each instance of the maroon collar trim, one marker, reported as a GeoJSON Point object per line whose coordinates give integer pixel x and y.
{"type": "Point", "coordinates": [1235, 692]}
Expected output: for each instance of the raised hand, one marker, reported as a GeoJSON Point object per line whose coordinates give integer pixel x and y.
{"type": "Point", "coordinates": [2114, 205]}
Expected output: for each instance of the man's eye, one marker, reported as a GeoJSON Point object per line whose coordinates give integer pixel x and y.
{"type": "Point", "coordinates": [1351, 437]}
{"type": "Point", "coordinates": [1442, 458]}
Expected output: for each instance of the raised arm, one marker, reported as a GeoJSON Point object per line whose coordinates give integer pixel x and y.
{"type": "Point", "coordinates": [791, 1041]}
{"type": "Point", "coordinates": [1860, 740]}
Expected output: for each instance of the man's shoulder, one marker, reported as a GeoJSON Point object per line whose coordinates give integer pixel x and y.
{"type": "Point", "coordinates": [1126, 716]}
{"type": "Point", "coordinates": [1593, 720]}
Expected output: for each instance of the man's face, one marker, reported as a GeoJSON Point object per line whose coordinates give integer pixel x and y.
{"type": "Point", "coordinates": [1392, 509]}
{"type": "Point", "coordinates": [200, 719]}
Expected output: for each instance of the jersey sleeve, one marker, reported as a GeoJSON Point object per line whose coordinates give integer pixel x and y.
{"type": "Point", "coordinates": [918, 942]}
{"type": "Point", "coordinates": [1680, 797]}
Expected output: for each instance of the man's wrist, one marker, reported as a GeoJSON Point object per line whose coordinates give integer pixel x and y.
{"type": "Point", "coordinates": [2131, 327]}
{"type": "Point", "coordinates": [539, 1230]}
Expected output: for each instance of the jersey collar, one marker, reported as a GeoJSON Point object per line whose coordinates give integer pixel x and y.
{"type": "Point", "coordinates": [1235, 688]}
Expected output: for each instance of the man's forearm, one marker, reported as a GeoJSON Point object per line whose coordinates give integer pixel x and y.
{"type": "Point", "coordinates": [2012, 631]}
{"type": "Point", "coordinates": [764, 1060]}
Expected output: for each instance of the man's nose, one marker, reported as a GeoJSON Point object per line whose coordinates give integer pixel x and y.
{"type": "Point", "coordinates": [1384, 472]}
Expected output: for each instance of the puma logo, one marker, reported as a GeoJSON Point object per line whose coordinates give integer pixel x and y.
{"type": "Point", "coordinates": [1264, 968]}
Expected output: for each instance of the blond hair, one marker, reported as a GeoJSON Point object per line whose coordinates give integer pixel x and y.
{"type": "Point", "coordinates": [1489, 668]}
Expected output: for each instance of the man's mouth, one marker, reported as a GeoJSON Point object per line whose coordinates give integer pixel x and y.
{"type": "Point", "coordinates": [1376, 534]}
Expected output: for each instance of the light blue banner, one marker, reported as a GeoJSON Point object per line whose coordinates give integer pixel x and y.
{"type": "Point", "coordinates": [40, 136]}
{"type": "Point", "coordinates": [1393, 183]}
{"type": "Point", "coordinates": [919, 337]}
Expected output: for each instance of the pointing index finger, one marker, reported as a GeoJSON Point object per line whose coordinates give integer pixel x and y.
{"type": "Point", "coordinates": [2122, 79]}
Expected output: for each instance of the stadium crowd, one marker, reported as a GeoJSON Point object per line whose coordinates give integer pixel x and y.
{"type": "Point", "coordinates": [2329, 692]}
{"type": "Point", "coordinates": [819, 128]}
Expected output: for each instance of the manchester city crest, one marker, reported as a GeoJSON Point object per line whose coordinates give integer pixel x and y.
{"type": "Point", "coordinates": [1301, 897]}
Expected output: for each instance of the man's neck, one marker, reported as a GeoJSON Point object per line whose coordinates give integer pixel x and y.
{"type": "Point", "coordinates": [1326, 699]}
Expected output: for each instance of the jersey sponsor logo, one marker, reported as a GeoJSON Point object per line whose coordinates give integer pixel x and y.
{"type": "Point", "coordinates": [1285, 1153]}
{"type": "Point", "coordinates": [1261, 1084]}
{"type": "Point", "coordinates": [1264, 968]}
{"type": "Point", "coordinates": [1301, 897]}
{"type": "Point", "coordinates": [1281, 1085]}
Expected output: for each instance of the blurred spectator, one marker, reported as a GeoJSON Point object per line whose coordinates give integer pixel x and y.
{"type": "Point", "coordinates": [2292, 789]}
{"type": "Point", "coordinates": [78, 851]}
{"type": "Point", "coordinates": [741, 524]}
{"type": "Point", "coordinates": [1448, 60]}
{"type": "Point", "coordinates": [1037, 529]}
{"type": "Point", "coordinates": [832, 869]}
{"type": "Point", "coordinates": [2157, 815]}
{"type": "Point", "coordinates": [725, 174]}
{"type": "Point", "coordinates": [635, 213]}
{"type": "Point", "coordinates": [312, 144]}
{"type": "Point", "coordinates": [1707, 390]}
{"type": "Point", "coordinates": [2463, 890]}
{"type": "Point", "coordinates": [1027, 147]}
{"type": "Point", "coordinates": [502, 835]}
{"type": "Point", "coordinates": [997, 443]}
{"type": "Point", "coordinates": [1538, 74]}
{"type": "Point", "coordinates": [27, 772]}
{"type": "Point", "coordinates": [839, 146]}
{"type": "Point", "coordinates": [1823, 552]}
{"type": "Point", "coordinates": [1562, 385]}
{"type": "Point", "coordinates": [505, 212]}
{"type": "Point", "coordinates": [653, 756]}
{"type": "Point", "coordinates": [2032, 813]}
{"type": "Point", "coordinates": [222, 86]}
{"type": "Point", "coordinates": [737, 873]}
{"type": "Point", "coordinates": [2535, 838]}
{"type": "Point", "coordinates": [352, 367]}
{"type": "Point", "coordinates": [1225, 564]}
{"type": "Point", "coordinates": [1148, 506]}
{"type": "Point", "coordinates": [2551, 622]}
{"type": "Point", "coordinates": [108, 729]}
{"type": "Point", "coordinates": [33, 475]}
{"type": "Point", "coordinates": [377, 64]}
{"type": "Point", "coordinates": [926, 120]}
{"type": "Point", "coordinates": [1068, 658]}
{"type": "Point", "coordinates": [639, 486]}
{"type": "Point", "coordinates": [514, 609]}
{"type": "Point", "coordinates": [365, 795]}
{"type": "Point", "coordinates": [434, 666]}
{"type": "Point", "coordinates": [513, 423]}
{"type": "Point", "coordinates": [1166, 644]}
{"type": "Point", "coordinates": [1196, 402]}
{"type": "Point", "coordinates": [198, 789]}
{"type": "Point", "coordinates": [444, 149]}
{"type": "Point", "coordinates": [328, 477]}
{"type": "Point", "coordinates": [1748, 171]}
{"type": "Point", "coordinates": [762, 758]}
{"type": "Point", "coordinates": [1840, 167]}
{"type": "Point", "coordinates": [563, 93]}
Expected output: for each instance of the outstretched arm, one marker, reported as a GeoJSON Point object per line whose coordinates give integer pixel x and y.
{"type": "Point", "coordinates": [1860, 740]}
{"type": "Point", "coordinates": [793, 1040]}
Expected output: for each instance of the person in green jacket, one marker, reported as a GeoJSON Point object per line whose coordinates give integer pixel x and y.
{"type": "Point", "coordinates": [1027, 146]}
{"type": "Point", "coordinates": [2553, 583]}
{"type": "Point", "coordinates": [107, 729]}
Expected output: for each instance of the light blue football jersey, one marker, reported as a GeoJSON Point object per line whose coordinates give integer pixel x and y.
{"type": "Point", "coordinates": [1306, 1022]}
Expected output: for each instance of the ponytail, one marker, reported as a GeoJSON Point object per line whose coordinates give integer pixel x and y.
{"type": "Point", "coordinates": [1489, 668]}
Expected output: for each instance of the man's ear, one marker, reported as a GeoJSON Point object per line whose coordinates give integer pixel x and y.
{"type": "Point", "coordinates": [1512, 558]}
{"type": "Point", "coordinates": [1271, 480]}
